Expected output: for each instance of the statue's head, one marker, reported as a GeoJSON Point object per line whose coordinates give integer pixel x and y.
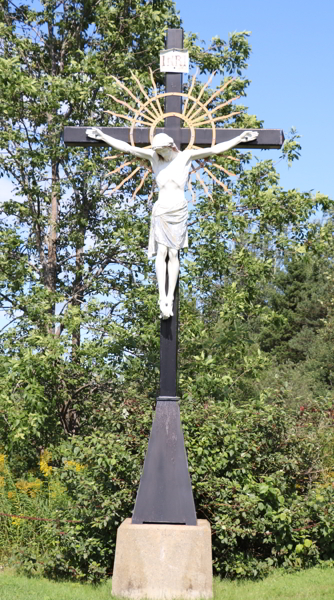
{"type": "Point", "coordinates": [164, 145]}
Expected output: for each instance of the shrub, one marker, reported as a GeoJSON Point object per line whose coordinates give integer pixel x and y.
{"type": "Point", "coordinates": [255, 474]}
{"type": "Point", "coordinates": [26, 505]}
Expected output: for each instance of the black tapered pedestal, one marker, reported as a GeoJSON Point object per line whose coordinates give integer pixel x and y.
{"type": "Point", "coordinates": [165, 493]}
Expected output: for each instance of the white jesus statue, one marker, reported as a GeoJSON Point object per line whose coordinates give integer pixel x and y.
{"type": "Point", "coordinates": [169, 233]}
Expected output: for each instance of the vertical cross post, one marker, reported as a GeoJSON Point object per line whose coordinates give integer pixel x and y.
{"type": "Point", "coordinates": [165, 493]}
{"type": "Point", "coordinates": [173, 83]}
{"type": "Point", "coordinates": [169, 327]}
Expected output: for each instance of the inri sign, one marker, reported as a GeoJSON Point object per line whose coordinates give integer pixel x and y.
{"type": "Point", "coordinates": [174, 61]}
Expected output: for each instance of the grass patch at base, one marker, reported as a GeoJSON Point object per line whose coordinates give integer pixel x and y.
{"type": "Point", "coordinates": [19, 587]}
{"type": "Point", "coordinates": [312, 584]}
{"type": "Point", "coordinates": [315, 584]}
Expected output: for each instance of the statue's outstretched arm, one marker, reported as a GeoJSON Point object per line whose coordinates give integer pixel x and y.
{"type": "Point", "coordinates": [246, 136]}
{"type": "Point", "coordinates": [97, 134]}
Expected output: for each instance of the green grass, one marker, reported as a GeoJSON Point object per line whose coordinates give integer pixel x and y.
{"type": "Point", "coordinates": [18, 587]}
{"type": "Point", "coordinates": [314, 584]}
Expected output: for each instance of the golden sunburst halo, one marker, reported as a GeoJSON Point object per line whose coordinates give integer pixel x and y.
{"type": "Point", "coordinates": [149, 113]}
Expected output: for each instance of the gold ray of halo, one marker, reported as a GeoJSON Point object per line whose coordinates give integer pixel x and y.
{"type": "Point", "coordinates": [130, 162]}
{"type": "Point", "coordinates": [137, 100]}
{"type": "Point", "coordinates": [232, 114]}
{"type": "Point", "coordinates": [217, 93]}
{"type": "Point", "coordinates": [189, 94]}
{"type": "Point", "coordinates": [217, 180]}
{"type": "Point", "coordinates": [156, 112]}
{"type": "Point", "coordinates": [226, 103]}
{"type": "Point", "coordinates": [111, 157]}
{"type": "Point", "coordinates": [110, 112]}
{"type": "Point", "coordinates": [146, 174]}
{"type": "Point", "coordinates": [204, 186]}
{"type": "Point", "coordinates": [156, 93]}
{"type": "Point", "coordinates": [122, 102]}
{"type": "Point", "coordinates": [225, 170]}
{"type": "Point", "coordinates": [200, 165]}
{"type": "Point", "coordinates": [144, 164]}
{"type": "Point", "coordinates": [202, 92]}
{"type": "Point", "coordinates": [198, 118]}
{"type": "Point", "coordinates": [124, 180]}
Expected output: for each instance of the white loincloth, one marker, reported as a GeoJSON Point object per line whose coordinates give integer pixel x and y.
{"type": "Point", "coordinates": [168, 227]}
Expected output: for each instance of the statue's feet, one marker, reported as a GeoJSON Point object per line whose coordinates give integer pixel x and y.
{"type": "Point", "coordinates": [166, 309]}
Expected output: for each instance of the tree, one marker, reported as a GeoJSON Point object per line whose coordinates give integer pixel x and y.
{"type": "Point", "coordinates": [300, 296]}
{"type": "Point", "coordinates": [54, 65]}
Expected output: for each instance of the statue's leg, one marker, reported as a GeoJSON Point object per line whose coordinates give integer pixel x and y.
{"type": "Point", "coordinates": [173, 273]}
{"type": "Point", "coordinates": [160, 267]}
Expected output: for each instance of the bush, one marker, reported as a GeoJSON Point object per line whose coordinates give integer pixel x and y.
{"type": "Point", "coordinates": [26, 505]}
{"type": "Point", "coordinates": [255, 477]}
{"type": "Point", "coordinates": [256, 481]}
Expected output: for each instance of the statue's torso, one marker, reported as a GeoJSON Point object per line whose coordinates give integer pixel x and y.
{"type": "Point", "coordinates": [171, 178]}
{"type": "Point", "coordinates": [174, 173]}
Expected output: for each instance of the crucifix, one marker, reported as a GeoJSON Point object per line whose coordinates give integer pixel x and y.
{"type": "Point", "coordinates": [165, 493]}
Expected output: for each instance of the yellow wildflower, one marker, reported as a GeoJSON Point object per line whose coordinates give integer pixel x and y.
{"type": "Point", "coordinates": [2, 462]}
{"type": "Point", "coordinates": [2, 482]}
{"type": "Point", "coordinates": [36, 484]}
{"type": "Point", "coordinates": [22, 486]}
{"type": "Point", "coordinates": [10, 495]}
{"type": "Point", "coordinates": [34, 487]}
{"type": "Point", "coordinates": [29, 487]}
{"type": "Point", "coordinates": [17, 522]}
{"type": "Point", "coordinates": [74, 465]}
{"type": "Point", "coordinates": [44, 463]}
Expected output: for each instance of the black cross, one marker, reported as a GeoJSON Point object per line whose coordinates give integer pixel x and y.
{"type": "Point", "coordinates": [165, 493]}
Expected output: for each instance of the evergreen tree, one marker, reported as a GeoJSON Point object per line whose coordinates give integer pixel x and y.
{"type": "Point", "coordinates": [300, 294]}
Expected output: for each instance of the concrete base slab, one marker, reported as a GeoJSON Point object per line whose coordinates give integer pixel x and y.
{"type": "Point", "coordinates": [163, 561]}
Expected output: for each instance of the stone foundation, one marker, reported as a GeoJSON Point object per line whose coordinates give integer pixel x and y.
{"type": "Point", "coordinates": [163, 561]}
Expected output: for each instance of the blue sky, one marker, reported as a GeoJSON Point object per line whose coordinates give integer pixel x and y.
{"type": "Point", "coordinates": [292, 73]}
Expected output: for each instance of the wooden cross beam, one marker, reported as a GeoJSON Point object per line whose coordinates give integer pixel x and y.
{"type": "Point", "coordinates": [267, 139]}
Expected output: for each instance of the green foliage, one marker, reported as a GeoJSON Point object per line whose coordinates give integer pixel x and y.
{"type": "Point", "coordinates": [26, 506]}
{"type": "Point", "coordinates": [249, 465]}
{"type": "Point", "coordinates": [255, 475]}
{"type": "Point", "coordinates": [300, 294]}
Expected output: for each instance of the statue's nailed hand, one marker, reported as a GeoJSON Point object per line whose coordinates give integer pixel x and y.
{"type": "Point", "coordinates": [248, 136]}
{"type": "Point", "coordinates": [95, 133]}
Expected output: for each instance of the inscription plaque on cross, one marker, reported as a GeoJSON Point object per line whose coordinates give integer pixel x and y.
{"type": "Point", "coordinates": [165, 493]}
